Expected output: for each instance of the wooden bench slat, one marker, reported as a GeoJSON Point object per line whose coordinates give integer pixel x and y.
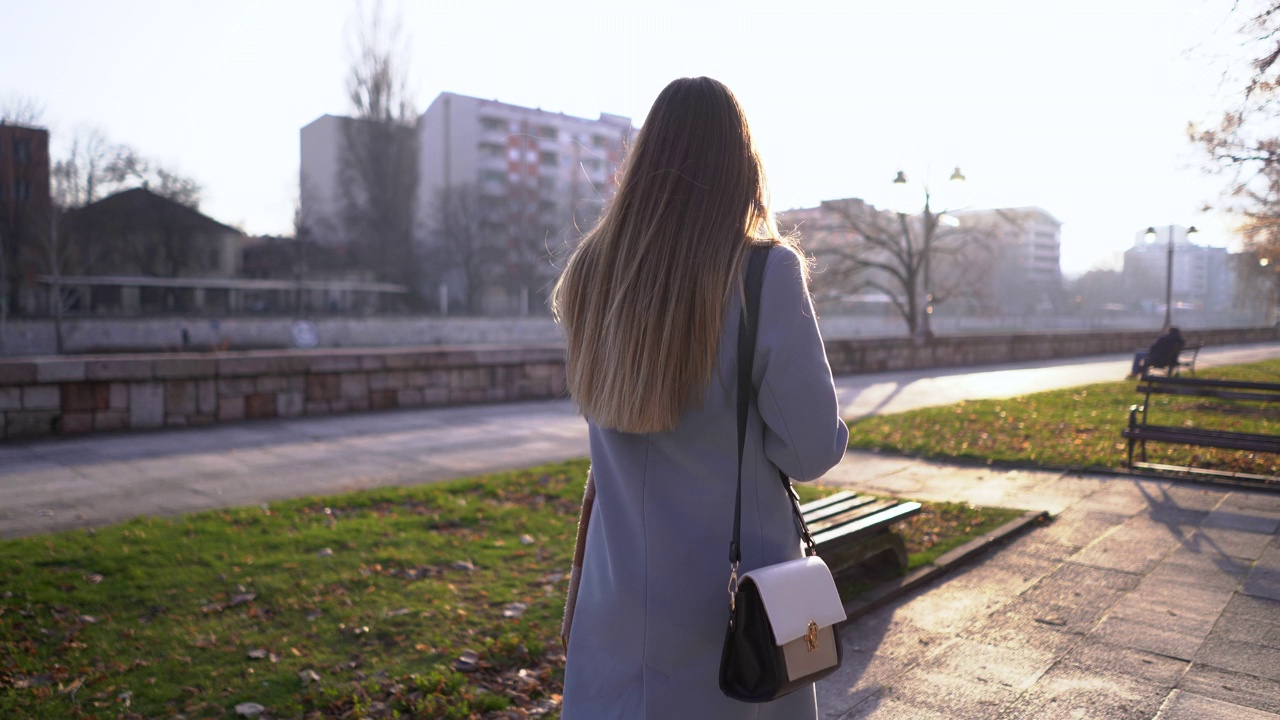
{"type": "Point", "coordinates": [809, 507]}
{"type": "Point", "coordinates": [851, 530]}
{"type": "Point", "coordinates": [1210, 392]}
{"type": "Point", "coordinates": [850, 515]}
{"type": "Point", "coordinates": [838, 508]}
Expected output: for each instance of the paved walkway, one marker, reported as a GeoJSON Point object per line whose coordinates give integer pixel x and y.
{"type": "Point", "coordinates": [1143, 599]}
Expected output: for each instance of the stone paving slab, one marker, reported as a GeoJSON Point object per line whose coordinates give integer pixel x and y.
{"type": "Point", "coordinates": [1189, 706]}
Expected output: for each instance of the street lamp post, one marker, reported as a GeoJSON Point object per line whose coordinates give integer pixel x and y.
{"type": "Point", "coordinates": [924, 329]}
{"type": "Point", "coordinates": [1168, 272]}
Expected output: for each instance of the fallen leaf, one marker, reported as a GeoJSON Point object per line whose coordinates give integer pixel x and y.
{"type": "Point", "coordinates": [249, 709]}
{"type": "Point", "coordinates": [514, 610]}
{"type": "Point", "coordinates": [241, 599]}
{"type": "Point", "coordinates": [526, 539]}
{"type": "Point", "coordinates": [466, 565]}
{"type": "Point", "coordinates": [325, 552]}
{"type": "Point", "coordinates": [308, 676]}
{"type": "Point", "coordinates": [257, 654]}
{"type": "Point", "coordinates": [468, 661]}
{"type": "Point", "coordinates": [93, 578]}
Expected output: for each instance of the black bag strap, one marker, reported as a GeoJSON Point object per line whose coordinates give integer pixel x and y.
{"type": "Point", "coordinates": [747, 326]}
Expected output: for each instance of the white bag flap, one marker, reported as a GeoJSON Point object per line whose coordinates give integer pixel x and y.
{"type": "Point", "coordinates": [796, 593]}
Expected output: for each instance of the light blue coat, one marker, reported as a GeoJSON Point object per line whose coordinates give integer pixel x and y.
{"type": "Point", "coordinates": [653, 603]}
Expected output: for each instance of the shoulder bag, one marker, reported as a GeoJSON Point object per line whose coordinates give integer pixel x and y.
{"type": "Point", "coordinates": [782, 632]}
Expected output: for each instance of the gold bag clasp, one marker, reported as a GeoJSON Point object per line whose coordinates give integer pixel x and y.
{"type": "Point", "coordinates": [811, 639]}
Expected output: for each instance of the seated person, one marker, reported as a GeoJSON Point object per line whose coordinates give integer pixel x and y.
{"type": "Point", "coordinates": [1163, 353]}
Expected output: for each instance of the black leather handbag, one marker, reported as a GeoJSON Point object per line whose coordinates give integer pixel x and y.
{"type": "Point", "coordinates": [782, 632]}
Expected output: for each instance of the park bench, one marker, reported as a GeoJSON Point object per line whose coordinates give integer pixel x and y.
{"type": "Point", "coordinates": [1141, 430]}
{"type": "Point", "coordinates": [1186, 360]}
{"type": "Point", "coordinates": [852, 531]}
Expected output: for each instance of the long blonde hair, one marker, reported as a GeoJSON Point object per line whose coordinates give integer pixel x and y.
{"type": "Point", "coordinates": [642, 298]}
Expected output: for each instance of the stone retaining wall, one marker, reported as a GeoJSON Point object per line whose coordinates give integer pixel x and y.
{"type": "Point", "coordinates": [64, 396]}
{"type": "Point", "coordinates": [73, 395]}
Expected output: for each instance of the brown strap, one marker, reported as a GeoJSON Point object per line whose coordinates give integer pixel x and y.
{"type": "Point", "coordinates": [579, 548]}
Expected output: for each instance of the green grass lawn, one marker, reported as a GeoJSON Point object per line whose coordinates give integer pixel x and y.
{"type": "Point", "coordinates": [353, 606]}
{"type": "Point", "coordinates": [1077, 427]}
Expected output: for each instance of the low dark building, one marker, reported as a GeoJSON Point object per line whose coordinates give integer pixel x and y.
{"type": "Point", "coordinates": [24, 203]}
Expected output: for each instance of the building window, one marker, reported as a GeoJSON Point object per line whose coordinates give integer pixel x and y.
{"type": "Point", "coordinates": [597, 141]}
{"type": "Point", "coordinates": [21, 151]}
{"type": "Point", "coordinates": [492, 176]}
{"type": "Point", "coordinates": [490, 149]}
{"type": "Point", "coordinates": [550, 159]}
{"type": "Point", "coordinates": [493, 123]}
{"type": "Point", "coordinates": [547, 132]}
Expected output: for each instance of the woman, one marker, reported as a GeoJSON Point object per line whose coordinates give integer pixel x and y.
{"type": "Point", "coordinates": [649, 302]}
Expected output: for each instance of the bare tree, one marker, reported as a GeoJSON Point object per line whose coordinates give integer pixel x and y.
{"type": "Point", "coordinates": [378, 167]}
{"type": "Point", "coordinates": [896, 255]}
{"type": "Point", "coordinates": [21, 110]}
{"type": "Point", "coordinates": [462, 228]}
{"type": "Point", "coordinates": [1243, 145]}
{"type": "Point", "coordinates": [95, 167]}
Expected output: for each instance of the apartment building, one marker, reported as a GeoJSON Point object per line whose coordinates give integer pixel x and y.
{"type": "Point", "coordinates": [536, 180]}
{"type": "Point", "coordinates": [1023, 248]}
{"type": "Point", "coordinates": [1202, 276]}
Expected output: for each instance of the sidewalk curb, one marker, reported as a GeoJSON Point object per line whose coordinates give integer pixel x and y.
{"type": "Point", "coordinates": [887, 592]}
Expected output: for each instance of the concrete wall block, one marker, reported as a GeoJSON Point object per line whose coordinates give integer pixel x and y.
{"type": "Point", "coordinates": [435, 396]}
{"type": "Point", "coordinates": [106, 420]}
{"type": "Point", "coordinates": [409, 397]}
{"type": "Point", "coordinates": [354, 386]}
{"type": "Point", "coordinates": [382, 399]}
{"type": "Point", "coordinates": [270, 384]}
{"type": "Point", "coordinates": [201, 420]}
{"type": "Point", "coordinates": [335, 363]}
{"type": "Point", "coordinates": [397, 379]}
{"type": "Point", "coordinates": [296, 383]}
{"type": "Point", "coordinates": [339, 406]}
{"type": "Point", "coordinates": [85, 397]}
{"type": "Point", "coordinates": [231, 409]}
{"type": "Point", "coordinates": [30, 423]}
{"type": "Point", "coordinates": [146, 405]}
{"type": "Point", "coordinates": [323, 388]}
{"type": "Point", "coordinates": [540, 370]}
{"type": "Point", "coordinates": [235, 387]}
{"type": "Point", "coordinates": [378, 381]}
{"type": "Point", "coordinates": [132, 368]}
{"type": "Point", "coordinates": [372, 362]}
{"type": "Point", "coordinates": [244, 366]}
{"type": "Point", "coordinates": [118, 396]}
{"type": "Point", "coordinates": [75, 423]}
{"type": "Point", "coordinates": [52, 371]}
{"type": "Point", "coordinates": [260, 405]}
{"type": "Point", "coordinates": [180, 397]}
{"type": "Point", "coordinates": [289, 403]}
{"type": "Point", "coordinates": [10, 398]}
{"type": "Point", "coordinates": [317, 407]}
{"type": "Point", "coordinates": [416, 378]}
{"type": "Point", "coordinates": [408, 361]}
{"type": "Point", "coordinates": [360, 404]}
{"type": "Point", "coordinates": [17, 372]}
{"type": "Point", "coordinates": [41, 397]}
{"type": "Point", "coordinates": [185, 367]}
{"type": "Point", "coordinates": [207, 397]}
{"type": "Point", "coordinates": [559, 384]}
{"type": "Point", "coordinates": [175, 421]}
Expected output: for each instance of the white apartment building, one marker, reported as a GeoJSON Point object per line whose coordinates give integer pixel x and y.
{"type": "Point", "coordinates": [1202, 278]}
{"type": "Point", "coordinates": [542, 179]}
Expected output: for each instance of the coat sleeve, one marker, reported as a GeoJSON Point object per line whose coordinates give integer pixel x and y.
{"type": "Point", "coordinates": [803, 432]}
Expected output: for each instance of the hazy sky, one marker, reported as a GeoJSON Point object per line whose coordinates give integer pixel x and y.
{"type": "Point", "coordinates": [1078, 106]}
